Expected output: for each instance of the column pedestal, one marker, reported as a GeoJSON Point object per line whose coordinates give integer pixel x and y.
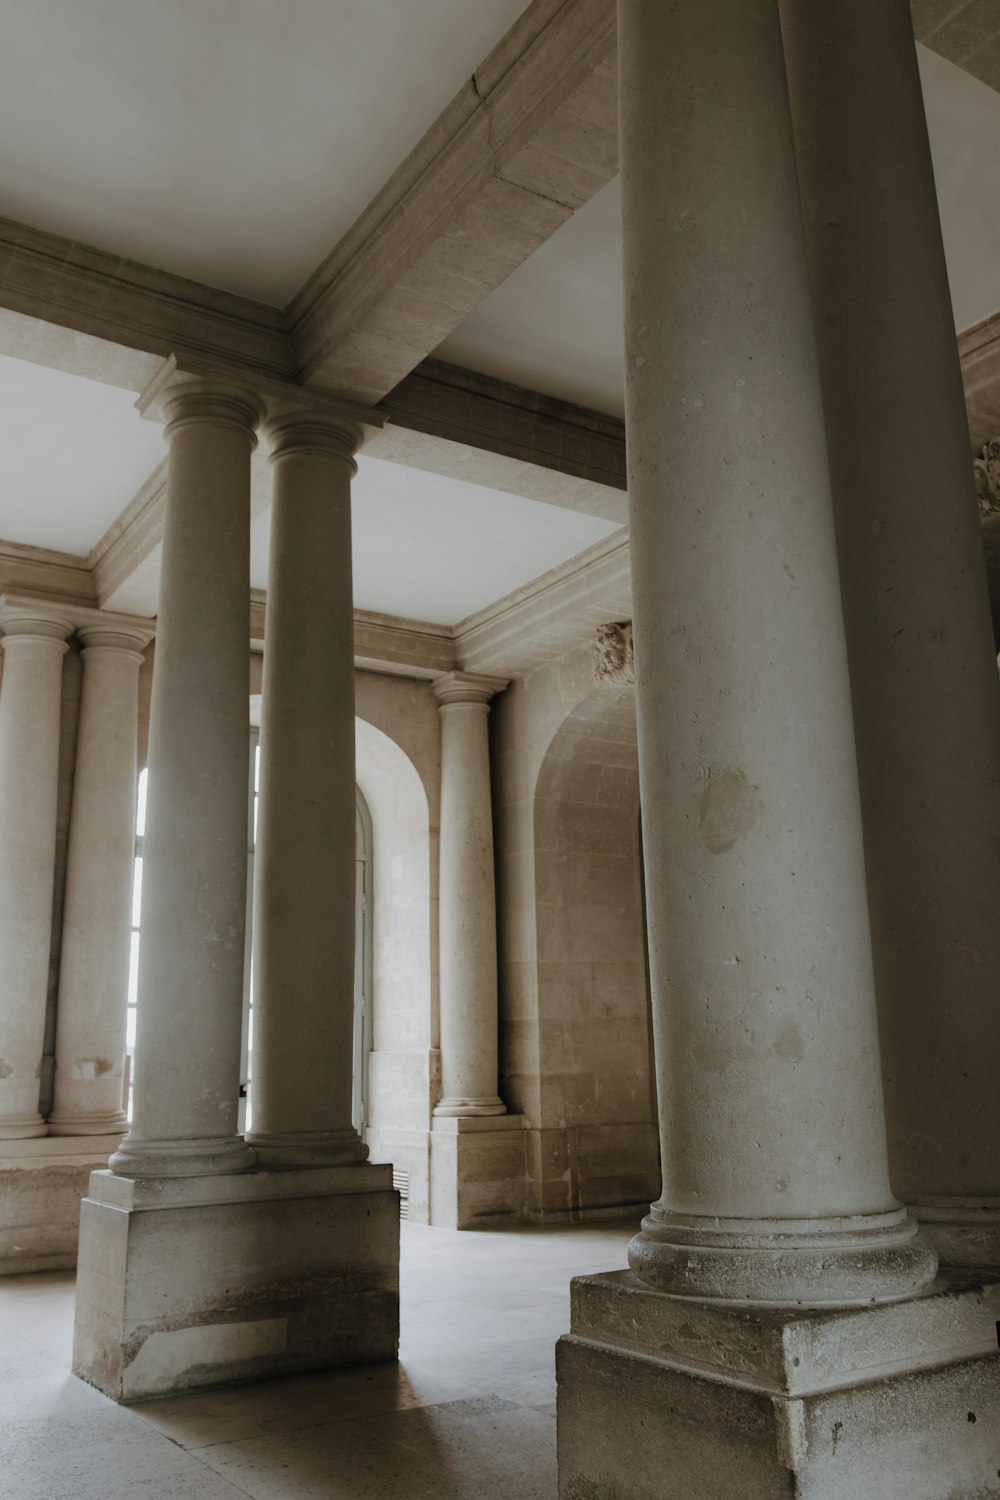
{"type": "Point", "coordinates": [235, 1278]}
{"type": "Point", "coordinates": [477, 1170]}
{"type": "Point", "coordinates": [42, 1182]}
{"type": "Point", "coordinates": [662, 1396]}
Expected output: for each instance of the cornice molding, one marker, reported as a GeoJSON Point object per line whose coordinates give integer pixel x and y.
{"type": "Point", "coordinates": [59, 577]}
{"type": "Point", "coordinates": [550, 615]}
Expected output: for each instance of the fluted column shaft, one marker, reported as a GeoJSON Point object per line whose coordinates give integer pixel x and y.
{"type": "Point", "coordinates": [304, 869]}
{"type": "Point", "coordinates": [773, 1143]}
{"type": "Point", "coordinates": [190, 997]}
{"type": "Point", "coordinates": [34, 644]}
{"type": "Point", "coordinates": [923, 668]}
{"type": "Point", "coordinates": [468, 943]}
{"type": "Point", "coordinates": [94, 963]}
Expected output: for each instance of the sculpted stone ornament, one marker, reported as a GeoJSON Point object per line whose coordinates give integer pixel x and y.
{"type": "Point", "coordinates": [987, 470]}
{"type": "Point", "coordinates": [613, 658]}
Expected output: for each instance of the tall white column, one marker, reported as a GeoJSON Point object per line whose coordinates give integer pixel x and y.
{"type": "Point", "coordinates": [775, 1180]}
{"type": "Point", "coordinates": [468, 943]}
{"type": "Point", "coordinates": [34, 643]}
{"type": "Point", "coordinates": [190, 998]}
{"type": "Point", "coordinates": [304, 871]}
{"type": "Point", "coordinates": [94, 963]}
{"type": "Point", "coordinates": [923, 668]}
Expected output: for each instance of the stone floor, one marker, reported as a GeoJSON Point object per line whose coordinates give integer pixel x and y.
{"type": "Point", "coordinates": [468, 1414]}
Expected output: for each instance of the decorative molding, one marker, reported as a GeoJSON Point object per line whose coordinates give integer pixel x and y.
{"type": "Point", "coordinates": [614, 660]}
{"type": "Point", "coordinates": [551, 614]}
{"type": "Point", "coordinates": [987, 469]}
{"type": "Point", "coordinates": [43, 573]}
{"type": "Point", "coordinates": [75, 617]}
{"type": "Point", "coordinates": [382, 643]}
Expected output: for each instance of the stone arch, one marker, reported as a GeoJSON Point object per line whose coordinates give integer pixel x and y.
{"type": "Point", "coordinates": [596, 1100]}
{"type": "Point", "coordinates": [401, 1073]}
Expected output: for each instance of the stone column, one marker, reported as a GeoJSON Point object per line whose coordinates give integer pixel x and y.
{"type": "Point", "coordinates": [304, 873]}
{"type": "Point", "coordinates": [33, 642]}
{"type": "Point", "coordinates": [190, 1000]}
{"type": "Point", "coordinates": [468, 927]}
{"type": "Point", "coordinates": [923, 668]}
{"type": "Point", "coordinates": [775, 1182]}
{"type": "Point", "coordinates": [93, 976]}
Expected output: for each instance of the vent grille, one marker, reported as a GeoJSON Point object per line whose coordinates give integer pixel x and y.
{"type": "Point", "coordinates": [401, 1181]}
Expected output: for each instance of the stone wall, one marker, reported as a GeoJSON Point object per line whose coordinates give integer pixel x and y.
{"type": "Point", "coordinates": [575, 1041]}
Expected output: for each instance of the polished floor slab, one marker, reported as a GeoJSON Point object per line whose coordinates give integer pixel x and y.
{"type": "Point", "coordinates": [468, 1412]}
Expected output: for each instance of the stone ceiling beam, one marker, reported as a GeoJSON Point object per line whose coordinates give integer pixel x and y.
{"type": "Point", "coordinates": [531, 137]}
{"type": "Point", "coordinates": [88, 313]}
{"type": "Point", "coordinates": [966, 32]}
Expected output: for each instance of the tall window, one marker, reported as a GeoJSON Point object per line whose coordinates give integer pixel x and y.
{"type": "Point", "coordinates": [363, 963]}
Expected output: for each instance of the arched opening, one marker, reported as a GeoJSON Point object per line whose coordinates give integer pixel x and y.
{"type": "Point", "coordinates": [402, 1059]}
{"type": "Point", "coordinates": [596, 1097]}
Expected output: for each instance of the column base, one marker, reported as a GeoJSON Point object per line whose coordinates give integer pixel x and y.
{"type": "Point", "coordinates": [210, 1280]}
{"type": "Point", "coordinates": [842, 1262]}
{"type": "Point", "coordinates": [190, 1158]}
{"type": "Point", "coordinates": [41, 1184]}
{"type": "Point", "coordinates": [22, 1127]}
{"type": "Point", "coordinates": [316, 1148]}
{"type": "Point", "coordinates": [963, 1231]}
{"type": "Point", "coordinates": [477, 1170]}
{"type": "Point", "coordinates": [114, 1122]}
{"type": "Point", "coordinates": [659, 1395]}
{"type": "Point", "coordinates": [469, 1108]}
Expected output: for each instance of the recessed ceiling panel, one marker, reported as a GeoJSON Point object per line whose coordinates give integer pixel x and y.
{"type": "Point", "coordinates": [73, 453]}
{"type": "Point", "coordinates": [232, 141]}
{"type": "Point", "coordinates": [429, 548]}
{"type": "Point", "coordinates": [555, 325]}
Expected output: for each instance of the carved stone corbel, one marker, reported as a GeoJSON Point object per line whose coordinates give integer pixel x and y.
{"type": "Point", "coordinates": [987, 469]}
{"type": "Point", "coordinates": [613, 658]}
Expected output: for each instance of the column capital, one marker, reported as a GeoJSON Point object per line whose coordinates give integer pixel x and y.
{"type": "Point", "coordinates": [467, 687]}
{"type": "Point", "coordinates": [20, 615]}
{"type": "Point", "coordinates": [116, 633]}
{"type": "Point", "coordinates": [325, 429]}
{"type": "Point", "coordinates": [178, 394]}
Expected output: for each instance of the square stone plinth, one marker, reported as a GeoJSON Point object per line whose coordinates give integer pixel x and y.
{"type": "Point", "coordinates": [667, 1397]}
{"type": "Point", "coordinates": [41, 1184]}
{"type": "Point", "coordinates": [188, 1282]}
{"type": "Point", "coordinates": [477, 1170]}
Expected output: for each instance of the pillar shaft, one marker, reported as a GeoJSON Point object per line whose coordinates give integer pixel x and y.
{"type": "Point", "coordinates": [94, 964]}
{"type": "Point", "coordinates": [923, 669]}
{"type": "Point", "coordinates": [469, 1045]}
{"type": "Point", "coordinates": [304, 870]}
{"type": "Point", "coordinates": [33, 647]}
{"type": "Point", "coordinates": [190, 997]}
{"type": "Point", "coordinates": [775, 1174]}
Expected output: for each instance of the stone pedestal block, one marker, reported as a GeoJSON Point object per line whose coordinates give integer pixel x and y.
{"type": "Point", "coordinates": [41, 1184]}
{"type": "Point", "coordinates": [477, 1170]}
{"type": "Point", "coordinates": [198, 1281]}
{"type": "Point", "coordinates": [665, 1396]}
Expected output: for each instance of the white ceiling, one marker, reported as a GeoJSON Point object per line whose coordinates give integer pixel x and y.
{"type": "Point", "coordinates": [436, 549]}
{"type": "Point", "coordinates": [72, 455]}
{"type": "Point", "coordinates": [232, 141]}
{"type": "Point", "coordinates": [555, 325]}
